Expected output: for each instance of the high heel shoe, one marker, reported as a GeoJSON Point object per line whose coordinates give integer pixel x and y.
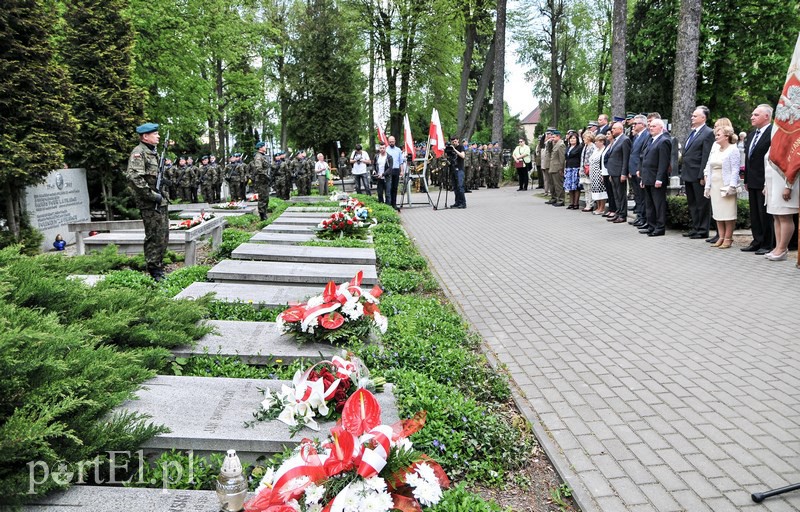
{"type": "Point", "coordinates": [727, 243]}
{"type": "Point", "coordinates": [718, 242]}
{"type": "Point", "coordinates": [777, 257]}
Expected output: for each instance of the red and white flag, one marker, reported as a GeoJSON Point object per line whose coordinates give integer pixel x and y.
{"type": "Point", "coordinates": [435, 136]}
{"type": "Point", "coordinates": [382, 135]}
{"type": "Point", "coordinates": [785, 147]}
{"type": "Point", "coordinates": [408, 140]}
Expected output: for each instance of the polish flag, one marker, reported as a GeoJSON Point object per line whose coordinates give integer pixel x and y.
{"type": "Point", "coordinates": [435, 135]}
{"type": "Point", "coordinates": [382, 135]}
{"type": "Point", "coordinates": [785, 147]}
{"type": "Point", "coordinates": [408, 140]}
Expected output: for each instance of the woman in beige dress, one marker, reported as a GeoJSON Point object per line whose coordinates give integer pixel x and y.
{"type": "Point", "coordinates": [722, 177]}
{"type": "Point", "coordinates": [783, 203]}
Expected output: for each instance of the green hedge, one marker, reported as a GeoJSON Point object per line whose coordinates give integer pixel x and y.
{"type": "Point", "coordinates": [678, 213]}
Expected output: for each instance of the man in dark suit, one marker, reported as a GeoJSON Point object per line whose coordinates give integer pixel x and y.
{"type": "Point", "coordinates": [617, 158]}
{"type": "Point", "coordinates": [756, 146]}
{"type": "Point", "coordinates": [695, 156]}
{"type": "Point", "coordinates": [655, 172]}
{"type": "Point", "coordinates": [640, 137]}
{"type": "Point", "coordinates": [602, 124]}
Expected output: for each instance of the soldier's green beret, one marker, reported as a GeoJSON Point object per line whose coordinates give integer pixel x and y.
{"type": "Point", "coordinates": [147, 128]}
{"type": "Point", "coordinates": [260, 145]}
{"type": "Point", "coordinates": [204, 157]}
{"type": "Point", "coordinates": [556, 132]}
{"type": "Point", "coordinates": [237, 154]}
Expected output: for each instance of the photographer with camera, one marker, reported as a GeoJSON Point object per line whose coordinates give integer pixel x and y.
{"type": "Point", "coordinates": [455, 159]}
{"type": "Point", "coordinates": [359, 160]}
{"type": "Point", "coordinates": [383, 167]}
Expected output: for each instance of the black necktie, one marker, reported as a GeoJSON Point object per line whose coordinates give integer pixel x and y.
{"type": "Point", "coordinates": [755, 141]}
{"type": "Point", "coordinates": [691, 138]}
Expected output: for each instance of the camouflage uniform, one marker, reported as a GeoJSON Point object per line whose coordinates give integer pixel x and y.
{"type": "Point", "coordinates": [215, 172]}
{"type": "Point", "coordinates": [298, 171]}
{"type": "Point", "coordinates": [205, 177]}
{"type": "Point", "coordinates": [470, 159]}
{"type": "Point", "coordinates": [495, 167]}
{"type": "Point", "coordinates": [262, 178]}
{"type": "Point", "coordinates": [342, 168]}
{"type": "Point", "coordinates": [234, 177]}
{"type": "Point", "coordinates": [142, 174]}
{"type": "Point", "coordinates": [283, 177]}
{"type": "Point", "coordinates": [194, 171]}
{"type": "Point", "coordinates": [183, 179]}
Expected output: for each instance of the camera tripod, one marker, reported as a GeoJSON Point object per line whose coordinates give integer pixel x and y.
{"type": "Point", "coordinates": [445, 181]}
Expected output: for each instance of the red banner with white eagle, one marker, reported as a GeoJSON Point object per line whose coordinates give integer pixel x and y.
{"type": "Point", "coordinates": [785, 147]}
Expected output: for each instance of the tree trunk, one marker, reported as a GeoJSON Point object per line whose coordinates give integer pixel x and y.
{"type": "Point", "coordinates": [498, 105]}
{"type": "Point", "coordinates": [685, 87]}
{"type": "Point", "coordinates": [557, 10]}
{"type": "Point", "coordinates": [219, 89]}
{"type": "Point", "coordinates": [466, 67]}
{"type": "Point", "coordinates": [12, 215]}
{"type": "Point", "coordinates": [619, 32]}
{"type": "Point", "coordinates": [486, 78]}
{"type": "Point", "coordinates": [371, 91]}
{"type": "Point", "coordinates": [602, 71]}
{"type": "Point", "coordinates": [106, 189]}
{"type": "Point", "coordinates": [212, 139]}
{"type": "Point", "coordinates": [409, 46]}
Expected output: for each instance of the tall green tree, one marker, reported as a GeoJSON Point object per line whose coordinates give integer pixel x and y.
{"type": "Point", "coordinates": [326, 87]}
{"type": "Point", "coordinates": [35, 120]}
{"type": "Point", "coordinates": [97, 50]}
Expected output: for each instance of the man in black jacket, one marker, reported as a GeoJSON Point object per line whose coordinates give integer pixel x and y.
{"type": "Point", "coordinates": [756, 146]}
{"type": "Point", "coordinates": [656, 161]}
{"type": "Point", "coordinates": [695, 156]}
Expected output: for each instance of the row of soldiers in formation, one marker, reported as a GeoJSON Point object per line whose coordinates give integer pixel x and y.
{"type": "Point", "coordinates": [185, 178]}
{"type": "Point", "coordinates": [483, 166]}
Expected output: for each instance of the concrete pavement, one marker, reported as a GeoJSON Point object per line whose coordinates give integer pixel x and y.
{"type": "Point", "coordinates": [660, 374]}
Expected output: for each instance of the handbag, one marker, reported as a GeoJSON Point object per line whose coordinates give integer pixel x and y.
{"type": "Point", "coordinates": [519, 164]}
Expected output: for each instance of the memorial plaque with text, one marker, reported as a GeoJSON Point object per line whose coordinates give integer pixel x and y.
{"type": "Point", "coordinates": [61, 199]}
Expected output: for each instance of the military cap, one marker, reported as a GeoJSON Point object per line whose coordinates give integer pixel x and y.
{"type": "Point", "coordinates": [204, 157]}
{"type": "Point", "coordinates": [556, 132]}
{"type": "Point", "coordinates": [260, 144]}
{"type": "Point", "coordinates": [630, 115]}
{"type": "Point", "coordinates": [618, 119]}
{"type": "Point", "coordinates": [593, 123]}
{"type": "Point", "coordinates": [146, 128]}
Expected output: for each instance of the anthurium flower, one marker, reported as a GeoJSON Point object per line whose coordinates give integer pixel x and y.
{"type": "Point", "coordinates": [332, 320]}
{"type": "Point", "coordinates": [341, 457]}
{"type": "Point", "coordinates": [361, 412]}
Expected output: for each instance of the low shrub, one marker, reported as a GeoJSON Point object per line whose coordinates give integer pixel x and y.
{"type": "Point", "coordinates": [246, 222]}
{"type": "Point", "coordinates": [210, 365]}
{"type": "Point", "coordinates": [431, 338]}
{"type": "Point", "coordinates": [175, 282]}
{"type": "Point", "coordinates": [243, 311]}
{"type": "Point", "coordinates": [469, 440]}
{"type": "Point", "coordinates": [339, 242]}
{"type": "Point", "coordinates": [678, 213]}
{"type": "Point", "coordinates": [407, 281]}
{"type": "Point", "coordinates": [58, 383]}
{"type": "Point", "coordinates": [115, 314]}
{"type": "Point", "coordinates": [459, 499]}
{"type": "Point", "coordinates": [231, 239]}
{"type": "Point", "coordinates": [396, 251]}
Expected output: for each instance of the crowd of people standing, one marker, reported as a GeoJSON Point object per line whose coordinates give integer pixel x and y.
{"type": "Point", "coordinates": [607, 162]}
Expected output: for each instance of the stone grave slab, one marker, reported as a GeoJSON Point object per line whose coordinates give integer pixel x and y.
{"type": "Point", "coordinates": [131, 242]}
{"type": "Point", "coordinates": [256, 343]}
{"type": "Point", "coordinates": [88, 279]}
{"type": "Point", "coordinates": [207, 415]}
{"type": "Point", "coordinates": [309, 199]}
{"type": "Point", "coordinates": [306, 215]}
{"type": "Point", "coordinates": [258, 295]}
{"type": "Point", "coordinates": [92, 498]}
{"type": "Point", "coordinates": [315, 209]}
{"type": "Point", "coordinates": [217, 213]}
{"type": "Point", "coordinates": [289, 229]}
{"type": "Point", "coordinates": [299, 221]}
{"type": "Point", "coordinates": [287, 273]}
{"type": "Point", "coordinates": [304, 254]}
{"type": "Point", "coordinates": [283, 238]}
{"type": "Point", "coordinates": [194, 207]}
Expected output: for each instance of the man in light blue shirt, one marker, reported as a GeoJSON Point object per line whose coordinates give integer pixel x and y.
{"type": "Point", "coordinates": [393, 177]}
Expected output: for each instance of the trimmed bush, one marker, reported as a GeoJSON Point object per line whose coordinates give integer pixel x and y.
{"type": "Point", "coordinates": [231, 239]}
{"type": "Point", "coordinates": [678, 213]}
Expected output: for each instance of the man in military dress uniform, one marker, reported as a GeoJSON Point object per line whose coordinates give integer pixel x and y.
{"type": "Point", "coordinates": [262, 178]}
{"type": "Point", "coordinates": [142, 174]}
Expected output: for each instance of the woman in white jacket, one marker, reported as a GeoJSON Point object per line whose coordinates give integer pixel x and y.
{"type": "Point", "coordinates": [722, 179]}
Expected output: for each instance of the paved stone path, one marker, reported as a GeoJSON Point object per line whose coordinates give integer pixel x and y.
{"type": "Point", "coordinates": [660, 374]}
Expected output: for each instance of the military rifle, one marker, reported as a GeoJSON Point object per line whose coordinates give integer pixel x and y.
{"type": "Point", "coordinates": [161, 160]}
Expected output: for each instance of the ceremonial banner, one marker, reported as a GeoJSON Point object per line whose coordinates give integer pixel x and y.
{"type": "Point", "coordinates": [382, 135]}
{"type": "Point", "coordinates": [435, 135]}
{"type": "Point", "coordinates": [785, 147]}
{"type": "Point", "coordinates": [408, 140]}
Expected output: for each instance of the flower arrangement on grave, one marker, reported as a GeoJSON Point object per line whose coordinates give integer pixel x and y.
{"type": "Point", "coordinates": [339, 196]}
{"type": "Point", "coordinates": [365, 466]}
{"type": "Point", "coordinates": [353, 220]}
{"type": "Point", "coordinates": [195, 221]}
{"type": "Point", "coordinates": [232, 205]}
{"type": "Point", "coordinates": [319, 392]}
{"type": "Point", "coordinates": [340, 313]}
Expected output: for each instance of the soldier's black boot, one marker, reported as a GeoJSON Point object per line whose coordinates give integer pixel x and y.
{"type": "Point", "coordinates": [156, 273]}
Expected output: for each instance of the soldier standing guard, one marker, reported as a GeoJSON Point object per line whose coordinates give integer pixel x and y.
{"type": "Point", "coordinates": [262, 178]}
{"type": "Point", "coordinates": [142, 174]}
